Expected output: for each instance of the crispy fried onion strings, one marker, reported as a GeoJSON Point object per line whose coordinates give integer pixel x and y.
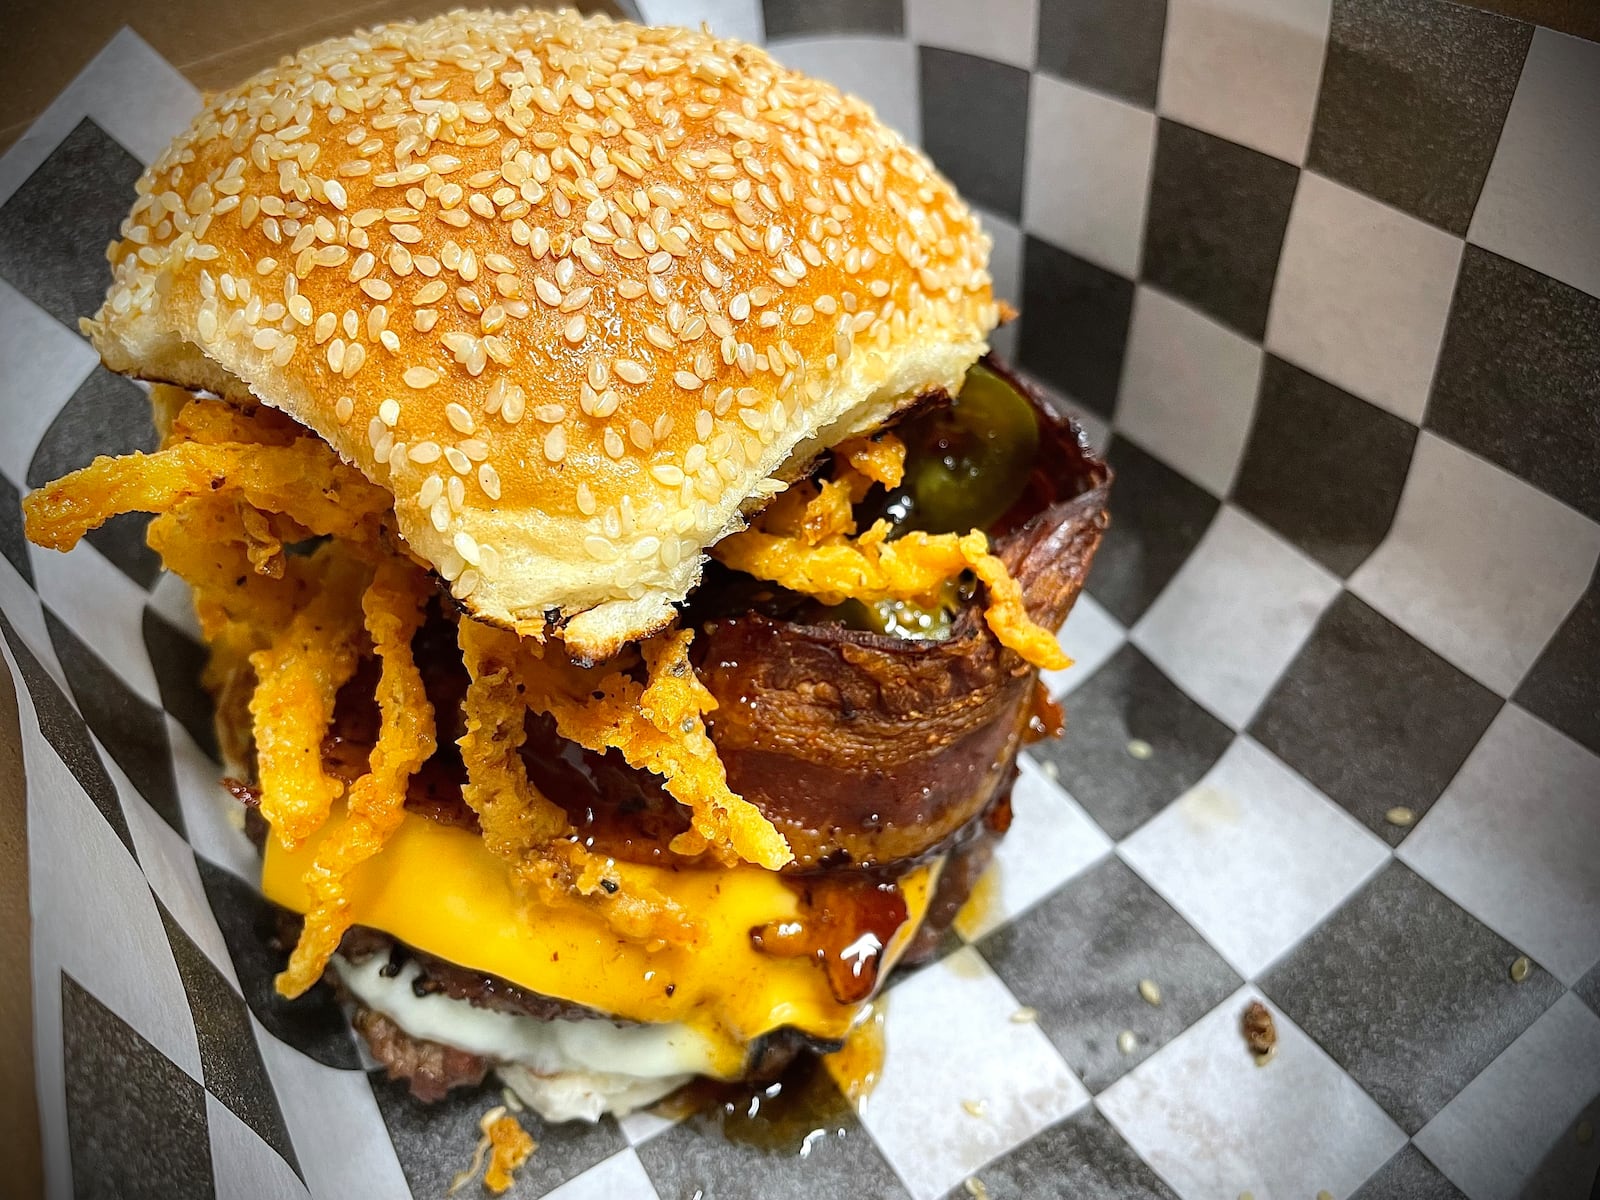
{"type": "Point", "coordinates": [912, 567]}
{"type": "Point", "coordinates": [815, 512]}
{"type": "Point", "coordinates": [525, 827]}
{"type": "Point", "coordinates": [304, 478]}
{"type": "Point", "coordinates": [200, 419]}
{"type": "Point", "coordinates": [658, 726]}
{"type": "Point", "coordinates": [804, 542]}
{"type": "Point", "coordinates": [394, 604]}
{"type": "Point", "coordinates": [205, 542]}
{"type": "Point", "coordinates": [298, 678]}
{"type": "Point", "coordinates": [880, 459]}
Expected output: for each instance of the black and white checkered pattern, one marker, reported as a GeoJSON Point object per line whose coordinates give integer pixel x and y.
{"type": "Point", "coordinates": [1324, 279]}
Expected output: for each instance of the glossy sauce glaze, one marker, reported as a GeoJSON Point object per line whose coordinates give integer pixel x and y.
{"type": "Point", "coordinates": [845, 923]}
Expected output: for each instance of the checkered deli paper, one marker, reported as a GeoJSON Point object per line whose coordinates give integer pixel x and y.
{"type": "Point", "coordinates": [1322, 281]}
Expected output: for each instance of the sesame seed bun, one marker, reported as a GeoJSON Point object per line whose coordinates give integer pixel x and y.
{"type": "Point", "coordinates": [579, 293]}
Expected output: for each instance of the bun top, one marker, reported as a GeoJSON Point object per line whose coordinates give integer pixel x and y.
{"type": "Point", "coordinates": [579, 293]}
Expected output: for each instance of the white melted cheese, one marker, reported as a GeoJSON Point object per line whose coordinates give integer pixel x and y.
{"type": "Point", "coordinates": [564, 1070]}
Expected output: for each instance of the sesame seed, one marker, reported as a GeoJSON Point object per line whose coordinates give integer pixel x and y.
{"type": "Point", "coordinates": [687, 380]}
{"type": "Point", "coordinates": [344, 409]}
{"type": "Point", "coordinates": [1140, 749]}
{"type": "Point", "coordinates": [1150, 992]}
{"type": "Point", "coordinates": [430, 293]}
{"type": "Point", "coordinates": [600, 549]}
{"type": "Point", "coordinates": [1127, 1042]}
{"type": "Point", "coordinates": [455, 493]}
{"type": "Point", "coordinates": [1521, 968]}
{"type": "Point", "coordinates": [575, 328]}
{"type": "Point", "coordinates": [466, 546]}
{"type": "Point", "coordinates": [514, 405]}
{"type": "Point", "coordinates": [555, 444]}
{"type": "Point", "coordinates": [586, 504]}
{"type": "Point", "coordinates": [975, 1108]}
{"type": "Point", "coordinates": [1024, 1016]}
{"type": "Point", "coordinates": [460, 419]}
{"type": "Point", "coordinates": [420, 377]}
{"type": "Point", "coordinates": [389, 412]}
{"type": "Point", "coordinates": [459, 462]}
{"type": "Point", "coordinates": [430, 491]}
{"type": "Point", "coordinates": [424, 453]}
{"type": "Point", "coordinates": [489, 481]}
{"type": "Point", "coordinates": [1400, 817]}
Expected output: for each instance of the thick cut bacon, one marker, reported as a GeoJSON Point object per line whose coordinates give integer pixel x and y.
{"type": "Point", "coordinates": [871, 749]}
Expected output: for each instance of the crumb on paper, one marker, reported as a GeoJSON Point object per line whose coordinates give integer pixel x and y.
{"type": "Point", "coordinates": [1260, 1034]}
{"type": "Point", "coordinates": [1127, 1041]}
{"type": "Point", "coordinates": [975, 1108]}
{"type": "Point", "coordinates": [1024, 1016]}
{"type": "Point", "coordinates": [975, 1188]}
{"type": "Point", "coordinates": [509, 1147]}
{"type": "Point", "coordinates": [506, 1146]}
{"type": "Point", "coordinates": [1401, 817]}
{"type": "Point", "coordinates": [1150, 991]}
{"type": "Point", "coordinates": [1140, 749]}
{"type": "Point", "coordinates": [1520, 968]}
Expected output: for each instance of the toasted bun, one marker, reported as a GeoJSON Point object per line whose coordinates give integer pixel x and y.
{"type": "Point", "coordinates": [577, 292]}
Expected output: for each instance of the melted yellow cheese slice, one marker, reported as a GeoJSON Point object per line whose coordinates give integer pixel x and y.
{"type": "Point", "coordinates": [439, 889]}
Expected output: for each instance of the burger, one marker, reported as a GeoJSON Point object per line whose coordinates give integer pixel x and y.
{"type": "Point", "coordinates": [625, 577]}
